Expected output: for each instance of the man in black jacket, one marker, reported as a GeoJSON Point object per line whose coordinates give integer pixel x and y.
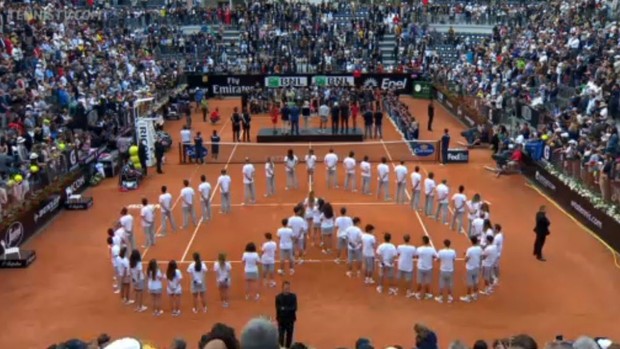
{"type": "Point", "coordinates": [431, 115]}
{"type": "Point", "coordinates": [541, 230]}
{"type": "Point", "coordinates": [159, 154]}
{"type": "Point", "coordinates": [286, 309]}
{"type": "Point", "coordinates": [335, 118]}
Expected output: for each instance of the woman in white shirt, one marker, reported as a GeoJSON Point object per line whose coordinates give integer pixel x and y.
{"type": "Point", "coordinates": [174, 277]}
{"type": "Point", "coordinates": [316, 222]}
{"type": "Point", "coordinates": [114, 250]}
{"type": "Point", "coordinates": [487, 230]}
{"type": "Point", "coordinates": [137, 278]}
{"type": "Point", "coordinates": [271, 178]}
{"type": "Point", "coordinates": [251, 259]}
{"type": "Point", "coordinates": [327, 227]}
{"type": "Point", "coordinates": [222, 270]}
{"type": "Point", "coordinates": [486, 210]}
{"type": "Point", "coordinates": [473, 211]}
{"type": "Point", "coordinates": [309, 204]}
{"type": "Point", "coordinates": [310, 165]}
{"type": "Point", "coordinates": [155, 277]}
{"type": "Point", "coordinates": [498, 240]}
{"type": "Point", "coordinates": [123, 275]}
{"type": "Point", "coordinates": [290, 163]}
{"type": "Point", "coordinates": [197, 270]}
{"type": "Point", "coordinates": [268, 260]}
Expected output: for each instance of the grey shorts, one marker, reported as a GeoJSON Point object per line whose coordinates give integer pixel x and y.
{"type": "Point", "coordinates": [286, 254]}
{"type": "Point", "coordinates": [473, 277]}
{"type": "Point", "coordinates": [223, 284]}
{"type": "Point", "coordinates": [251, 275]}
{"type": "Point", "coordinates": [155, 291]}
{"type": "Point", "coordinates": [327, 230]}
{"type": "Point", "coordinates": [198, 287]}
{"type": "Point", "coordinates": [369, 264]}
{"type": "Point", "coordinates": [324, 118]}
{"type": "Point", "coordinates": [138, 285]}
{"type": "Point", "coordinates": [487, 273]}
{"type": "Point", "coordinates": [269, 268]}
{"type": "Point", "coordinates": [342, 243]}
{"type": "Point", "coordinates": [446, 280]}
{"type": "Point", "coordinates": [176, 291]}
{"type": "Point", "coordinates": [405, 275]}
{"type": "Point", "coordinates": [355, 255]}
{"type": "Point", "coordinates": [301, 243]}
{"type": "Point", "coordinates": [425, 277]}
{"type": "Point", "coordinates": [387, 272]}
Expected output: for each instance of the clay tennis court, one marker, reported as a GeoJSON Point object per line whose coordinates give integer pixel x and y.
{"type": "Point", "coordinates": [67, 292]}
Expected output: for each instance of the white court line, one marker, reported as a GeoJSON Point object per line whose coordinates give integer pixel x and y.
{"type": "Point", "coordinates": [191, 241]}
{"type": "Point", "coordinates": [306, 261]}
{"type": "Point", "coordinates": [409, 197]}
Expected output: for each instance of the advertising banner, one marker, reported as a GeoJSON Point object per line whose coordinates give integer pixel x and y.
{"type": "Point", "coordinates": [422, 90]}
{"type": "Point", "coordinates": [400, 83]}
{"type": "Point", "coordinates": [579, 207]}
{"type": "Point", "coordinates": [332, 80]}
{"type": "Point", "coordinates": [286, 81]}
{"type": "Point", "coordinates": [457, 155]}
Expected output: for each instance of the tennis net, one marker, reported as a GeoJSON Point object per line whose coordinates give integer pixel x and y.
{"type": "Point", "coordinates": [236, 153]}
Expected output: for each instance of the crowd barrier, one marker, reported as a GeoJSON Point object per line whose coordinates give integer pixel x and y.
{"type": "Point", "coordinates": [237, 85]}
{"type": "Point", "coordinates": [23, 221]}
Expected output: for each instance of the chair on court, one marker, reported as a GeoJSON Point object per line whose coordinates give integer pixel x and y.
{"type": "Point", "coordinates": [10, 250]}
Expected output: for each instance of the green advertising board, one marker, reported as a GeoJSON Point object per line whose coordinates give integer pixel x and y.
{"type": "Point", "coordinates": [422, 90]}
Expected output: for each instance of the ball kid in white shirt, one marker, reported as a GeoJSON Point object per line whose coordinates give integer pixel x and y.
{"type": "Point", "coordinates": [383, 179]}
{"type": "Point", "coordinates": [369, 243]}
{"type": "Point", "coordinates": [187, 203]}
{"type": "Point", "coordinates": [429, 194]}
{"type": "Point", "coordinates": [286, 236]}
{"type": "Point", "coordinates": [416, 188]}
{"type": "Point", "coordinates": [165, 205]}
{"type": "Point", "coordinates": [386, 253]}
{"type": "Point", "coordinates": [331, 164]}
{"type": "Point", "coordinates": [498, 240]}
{"type": "Point", "coordinates": [343, 222]}
{"type": "Point", "coordinates": [349, 165]}
{"type": "Point", "coordinates": [249, 185]}
{"type": "Point", "coordinates": [426, 255]}
{"type": "Point", "coordinates": [400, 172]}
{"type": "Point", "coordinates": [310, 166]}
{"type": "Point", "coordinates": [365, 172]}
{"type": "Point", "coordinates": [443, 200]}
{"type": "Point", "coordinates": [459, 201]}
{"type": "Point", "coordinates": [268, 260]}
{"type": "Point", "coordinates": [446, 257]}
{"type": "Point", "coordinates": [206, 193]}
{"type": "Point", "coordinates": [300, 229]}
{"type": "Point", "coordinates": [406, 254]}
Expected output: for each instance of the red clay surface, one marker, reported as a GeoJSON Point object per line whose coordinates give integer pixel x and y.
{"type": "Point", "coordinates": [67, 292]}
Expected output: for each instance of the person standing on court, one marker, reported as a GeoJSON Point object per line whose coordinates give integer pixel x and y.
{"type": "Point", "coordinates": [165, 204]}
{"type": "Point", "coordinates": [187, 196]}
{"type": "Point", "coordinates": [286, 314]}
{"type": "Point", "coordinates": [378, 121]}
{"type": "Point", "coordinates": [159, 154]}
{"type": "Point", "coordinates": [344, 117]}
{"type": "Point", "coordinates": [431, 115]}
{"type": "Point", "coordinates": [223, 182]}
{"type": "Point", "coordinates": [147, 217]}
{"type": "Point", "coordinates": [235, 120]}
{"type": "Point", "coordinates": [204, 190]}
{"type": "Point", "coordinates": [246, 121]}
{"type": "Point", "coordinates": [335, 117]}
{"type": "Point", "coordinates": [143, 155]}
{"type": "Point", "coordinates": [294, 117]}
{"type": "Point", "coordinates": [199, 149]}
{"type": "Point", "coordinates": [248, 171]}
{"type": "Point", "coordinates": [445, 145]}
{"type": "Point", "coordinates": [126, 222]}
{"type": "Point", "coordinates": [541, 230]}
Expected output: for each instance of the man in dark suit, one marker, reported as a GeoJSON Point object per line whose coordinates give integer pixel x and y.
{"type": "Point", "coordinates": [541, 230]}
{"type": "Point", "coordinates": [445, 145]}
{"type": "Point", "coordinates": [143, 155]}
{"type": "Point", "coordinates": [431, 115]}
{"type": "Point", "coordinates": [286, 309]}
{"type": "Point", "coordinates": [159, 154]}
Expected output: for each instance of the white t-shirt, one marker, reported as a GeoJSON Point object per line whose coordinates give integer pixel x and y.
{"type": "Point", "coordinates": [165, 202]}
{"type": "Point", "coordinates": [443, 193]}
{"type": "Point", "coordinates": [122, 266]}
{"type": "Point", "coordinates": [473, 209]}
{"type": "Point", "coordinates": [298, 225]}
{"type": "Point", "coordinates": [459, 201]}
{"type": "Point", "coordinates": [269, 252]}
{"type": "Point", "coordinates": [499, 242]}
{"type": "Point", "coordinates": [401, 174]}
{"type": "Point", "coordinates": [269, 170]}
{"type": "Point", "coordinates": [186, 136]}
{"type": "Point", "coordinates": [251, 260]}
{"type": "Point", "coordinates": [310, 161]}
{"type": "Point", "coordinates": [483, 236]}
{"type": "Point", "coordinates": [331, 160]}
{"type": "Point", "coordinates": [446, 257]}
{"type": "Point", "coordinates": [290, 164]}
{"type": "Point", "coordinates": [349, 165]}
{"type": "Point", "coordinates": [327, 223]}
{"type": "Point", "coordinates": [354, 237]}
{"type": "Point", "coordinates": [286, 238]}
{"type": "Point", "coordinates": [387, 253]}
{"type": "Point", "coordinates": [205, 191]}
{"type": "Point", "coordinates": [490, 256]}
{"type": "Point", "coordinates": [365, 169]}
{"type": "Point", "coordinates": [473, 255]}
{"type": "Point", "coordinates": [477, 224]}
{"type": "Point", "coordinates": [155, 284]}
{"type": "Point", "coordinates": [429, 187]}
{"type": "Point", "coordinates": [198, 277]}
{"type": "Point", "coordinates": [187, 196]}
{"type": "Point", "coordinates": [223, 182]}
{"type": "Point", "coordinates": [383, 171]}
{"type": "Point", "coordinates": [405, 257]}
{"type": "Point", "coordinates": [343, 223]}
{"type": "Point", "coordinates": [248, 173]}
{"type": "Point", "coordinates": [174, 285]}
{"type": "Point", "coordinates": [368, 245]}
{"type": "Point", "coordinates": [126, 222]}
{"type": "Point", "coordinates": [426, 255]}
{"type": "Point", "coordinates": [416, 181]}
{"type": "Point", "coordinates": [120, 233]}
{"type": "Point", "coordinates": [147, 215]}
{"type": "Point", "coordinates": [222, 272]}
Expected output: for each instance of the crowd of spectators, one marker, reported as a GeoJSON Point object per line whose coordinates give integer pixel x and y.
{"type": "Point", "coordinates": [262, 333]}
{"type": "Point", "coordinates": [65, 85]}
